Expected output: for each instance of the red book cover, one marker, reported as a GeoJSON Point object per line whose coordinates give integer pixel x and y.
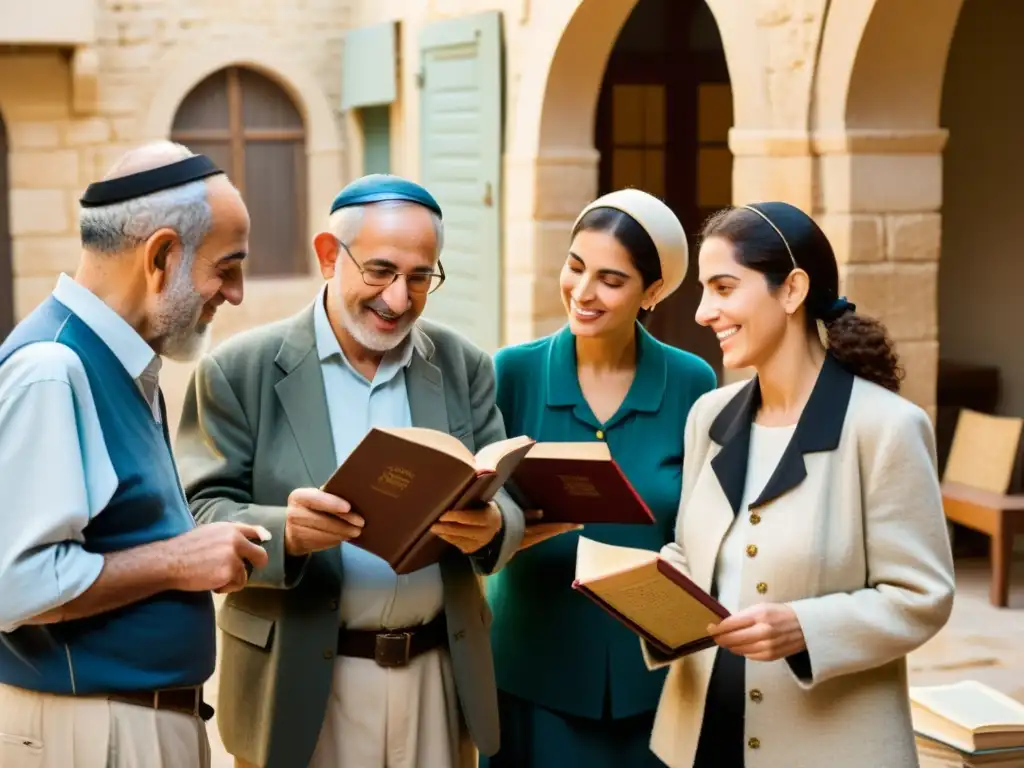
{"type": "Point", "coordinates": [578, 483]}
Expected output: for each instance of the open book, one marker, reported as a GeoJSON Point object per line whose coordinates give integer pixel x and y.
{"type": "Point", "coordinates": [649, 595]}
{"type": "Point", "coordinates": [400, 481]}
{"type": "Point", "coordinates": [577, 483]}
{"type": "Point", "coordinates": [968, 716]}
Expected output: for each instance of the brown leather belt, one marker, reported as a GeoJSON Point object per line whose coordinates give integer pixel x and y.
{"type": "Point", "coordinates": [188, 701]}
{"type": "Point", "coordinates": [393, 647]}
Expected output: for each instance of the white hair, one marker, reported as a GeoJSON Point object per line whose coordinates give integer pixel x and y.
{"type": "Point", "coordinates": [118, 227]}
{"type": "Point", "coordinates": [345, 223]}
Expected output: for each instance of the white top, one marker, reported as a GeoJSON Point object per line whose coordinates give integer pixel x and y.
{"type": "Point", "coordinates": [767, 445]}
{"type": "Point", "coordinates": [55, 471]}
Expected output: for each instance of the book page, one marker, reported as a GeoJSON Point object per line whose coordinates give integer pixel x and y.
{"type": "Point", "coordinates": [971, 705]}
{"type": "Point", "coordinates": [490, 456]}
{"type": "Point", "coordinates": [435, 439]}
{"type": "Point", "coordinates": [595, 560]}
{"type": "Point", "coordinates": [647, 597]}
{"type": "Point", "coordinates": [590, 451]}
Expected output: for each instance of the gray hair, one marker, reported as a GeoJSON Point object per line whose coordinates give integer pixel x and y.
{"type": "Point", "coordinates": [115, 228]}
{"type": "Point", "coordinates": [345, 223]}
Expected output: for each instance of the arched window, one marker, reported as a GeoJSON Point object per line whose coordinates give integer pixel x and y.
{"type": "Point", "coordinates": [6, 274]}
{"type": "Point", "coordinates": [250, 127]}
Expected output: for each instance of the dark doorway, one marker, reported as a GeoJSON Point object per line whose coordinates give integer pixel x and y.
{"type": "Point", "coordinates": [6, 272]}
{"type": "Point", "coordinates": [663, 120]}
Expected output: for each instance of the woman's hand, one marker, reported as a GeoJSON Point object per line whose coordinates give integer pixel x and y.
{"type": "Point", "coordinates": [763, 632]}
{"type": "Point", "coordinates": [537, 532]}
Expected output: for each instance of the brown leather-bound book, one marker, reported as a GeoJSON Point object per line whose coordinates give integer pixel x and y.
{"type": "Point", "coordinates": [577, 483]}
{"type": "Point", "coordinates": [649, 595]}
{"type": "Point", "coordinates": [400, 481]}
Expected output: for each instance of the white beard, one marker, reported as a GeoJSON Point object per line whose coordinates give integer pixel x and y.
{"type": "Point", "coordinates": [369, 337]}
{"type": "Point", "coordinates": [176, 324]}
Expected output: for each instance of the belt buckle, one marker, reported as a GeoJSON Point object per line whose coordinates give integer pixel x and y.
{"type": "Point", "coordinates": [391, 649]}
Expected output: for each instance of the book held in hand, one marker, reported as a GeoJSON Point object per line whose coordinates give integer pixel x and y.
{"type": "Point", "coordinates": [649, 595]}
{"type": "Point", "coordinates": [577, 483]}
{"type": "Point", "coordinates": [402, 480]}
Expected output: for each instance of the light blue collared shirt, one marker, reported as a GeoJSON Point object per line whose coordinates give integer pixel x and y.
{"type": "Point", "coordinates": [55, 472]}
{"type": "Point", "coordinates": [373, 595]}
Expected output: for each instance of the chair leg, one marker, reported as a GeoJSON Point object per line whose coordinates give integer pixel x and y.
{"type": "Point", "coordinates": [1001, 548]}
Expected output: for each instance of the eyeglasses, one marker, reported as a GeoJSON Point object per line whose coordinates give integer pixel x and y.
{"type": "Point", "coordinates": [381, 277]}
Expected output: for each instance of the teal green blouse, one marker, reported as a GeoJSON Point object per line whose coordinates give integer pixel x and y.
{"type": "Point", "coordinates": [552, 646]}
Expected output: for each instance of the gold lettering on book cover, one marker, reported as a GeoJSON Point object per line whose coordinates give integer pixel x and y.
{"type": "Point", "coordinates": [579, 485]}
{"type": "Point", "coordinates": [393, 481]}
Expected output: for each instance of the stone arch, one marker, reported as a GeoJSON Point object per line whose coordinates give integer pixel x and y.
{"type": "Point", "coordinates": [185, 68]}
{"type": "Point", "coordinates": [875, 75]}
{"type": "Point", "coordinates": [558, 92]}
{"type": "Point", "coordinates": [551, 161]}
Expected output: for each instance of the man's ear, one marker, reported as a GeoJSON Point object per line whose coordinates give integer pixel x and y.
{"type": "Point", "coordinates": [327, 250]}
{"type": "Point", "coordinates": [158, 252]}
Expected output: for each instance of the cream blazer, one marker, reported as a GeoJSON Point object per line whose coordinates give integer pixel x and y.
{"type": "Point", "coordinates": [852, 535]}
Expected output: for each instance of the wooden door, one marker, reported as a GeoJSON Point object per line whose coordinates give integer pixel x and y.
{"type": "Point", "coordinates": [6, 270]}
{"type": "Point", "coordinates": [662, 126]}
{"type": "Point", "coordinates": [461, 95]}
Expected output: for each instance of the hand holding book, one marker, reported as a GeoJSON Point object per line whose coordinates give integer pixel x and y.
{"type": "Point", "coordinates": [469, 529]}
{"type": "Point", "coordinates": [764, 632]}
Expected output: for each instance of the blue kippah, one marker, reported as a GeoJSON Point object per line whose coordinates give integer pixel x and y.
{"type": "Point", "coordinates": [378, 187]}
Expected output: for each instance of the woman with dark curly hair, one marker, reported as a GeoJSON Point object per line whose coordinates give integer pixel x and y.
{"type": "Point", "coordinates": [811, 509]}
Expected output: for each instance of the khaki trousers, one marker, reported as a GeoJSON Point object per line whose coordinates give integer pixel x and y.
{"type": "Point", "coordinates": [45, 731]}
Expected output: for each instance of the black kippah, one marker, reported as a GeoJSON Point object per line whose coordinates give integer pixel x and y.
{"type": "Point", "coordinates": [146, 182]}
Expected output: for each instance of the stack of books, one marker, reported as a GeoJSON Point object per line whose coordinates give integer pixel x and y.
{"type": "Point", "coordinates": [967, 724]}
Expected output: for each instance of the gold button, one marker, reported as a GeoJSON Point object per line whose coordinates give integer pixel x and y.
{"type": "Point", "coordinates": [751, 550]}
{"type": "Point", "coordinates": [756, 696]}
{"type": "Point", "coordinates": [754, 742]}
{"type": "Point", "coordinates": [762, 587]}
{"type": "Point", "coordinates": [755, 518]}
{"type": "Point", "coordinates": [328, 653]}
{"type": "Point", "coordinates": [600, 435]}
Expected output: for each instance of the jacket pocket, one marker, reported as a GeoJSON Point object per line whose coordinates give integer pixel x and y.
{"type": "Point", "coordinates": [245, 626]}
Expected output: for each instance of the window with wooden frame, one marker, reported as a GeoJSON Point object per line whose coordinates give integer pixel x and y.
{"type": "Point", "coordinates": [252, 129]}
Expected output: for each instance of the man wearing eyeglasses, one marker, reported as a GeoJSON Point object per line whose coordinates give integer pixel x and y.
{"type": "Point", "coordinates": [268, 417]}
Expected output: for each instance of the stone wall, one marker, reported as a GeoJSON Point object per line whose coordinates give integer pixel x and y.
{"type": "Point", "coordinates": [830, 114]}
{"type": "Point", "coordinates": [150, 54]}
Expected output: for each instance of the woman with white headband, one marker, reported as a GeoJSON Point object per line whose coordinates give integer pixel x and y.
{"type": "Point", "coordinates": [573, 688]}
{"type": "Point", "coordinates": [811, 509]}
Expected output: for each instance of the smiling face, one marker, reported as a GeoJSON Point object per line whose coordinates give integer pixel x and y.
{"type": "Point", "coordinates": [750, 319]}
{"type": "Point", "coordinates": [373, 307]}
{"type": "Point", "coordinates": [195, 287]}
{"type": "Point", "coordinates": [602, 290]}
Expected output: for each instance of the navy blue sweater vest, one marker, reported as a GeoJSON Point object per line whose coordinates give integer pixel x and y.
{"type": "Point", "coordinates": [165, 641]}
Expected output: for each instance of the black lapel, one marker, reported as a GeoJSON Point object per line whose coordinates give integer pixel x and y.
{"type": "Point", "coordinates": [819, 429]}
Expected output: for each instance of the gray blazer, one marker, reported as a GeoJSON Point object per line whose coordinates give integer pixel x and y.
{"type": "Point", "coordinates": [255, 426]}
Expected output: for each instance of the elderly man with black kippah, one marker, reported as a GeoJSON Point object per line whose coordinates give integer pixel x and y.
{"type": "Point", "coordinates": [267, 418]}
{"type": "Point", "coordinates": [106, 619]}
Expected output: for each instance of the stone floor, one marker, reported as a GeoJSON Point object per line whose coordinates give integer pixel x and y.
{"type": "Point", "coordinates": [978, 642]}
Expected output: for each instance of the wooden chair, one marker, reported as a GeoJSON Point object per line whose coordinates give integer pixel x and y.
{"type": "Point", "coordinates": [981, 488]}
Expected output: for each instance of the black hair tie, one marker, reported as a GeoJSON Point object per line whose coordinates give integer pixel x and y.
{"type": "Point", "coordinates": [838, 308]}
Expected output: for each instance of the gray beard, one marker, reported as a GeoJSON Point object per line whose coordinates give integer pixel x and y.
{"type": "Point", "coordinates": [176, 324]}
{"type": "Point", "coordinates": [370, 338]}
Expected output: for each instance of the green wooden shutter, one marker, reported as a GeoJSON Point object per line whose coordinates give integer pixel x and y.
{"type": "Point", "coordinates": [376, 139]}
{"type": "Point", "coordinates": [462, 88]}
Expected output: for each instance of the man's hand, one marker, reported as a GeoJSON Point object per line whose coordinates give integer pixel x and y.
{"type": "Point", "coordinates": [537, 532]}
{"type": "Point", "coordinates": [469, 529]}
{"type": "Point", "coordinates": [212, 557]}
{"type": "Point", "coordinates": [764, 632]}
{"type": "Point", "coordinates": [317, 521]}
